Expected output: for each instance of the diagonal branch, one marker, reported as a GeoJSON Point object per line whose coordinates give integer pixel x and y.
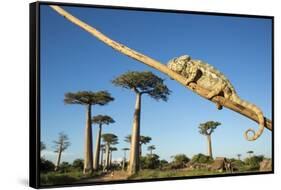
{"type": "Point", "coordinates": [160, 67]}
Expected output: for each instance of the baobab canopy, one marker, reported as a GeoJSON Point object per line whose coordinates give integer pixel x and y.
{"type": "Point", "coordinates": [145, 83]}
{"type": "Point", "coordinates": [88, 98]}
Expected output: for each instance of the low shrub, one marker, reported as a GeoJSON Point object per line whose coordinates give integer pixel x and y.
{"type": "Point", "coordinates": [201, 158]}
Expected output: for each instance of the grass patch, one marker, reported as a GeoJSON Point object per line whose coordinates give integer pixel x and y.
{"type": "Point", "coordinates": [56, 178]}
{"type": "Point", "coordinates": [151, 174]}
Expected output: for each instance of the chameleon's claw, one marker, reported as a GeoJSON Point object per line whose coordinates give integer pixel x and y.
{"type": "Point", "coordinates": [219, 106]}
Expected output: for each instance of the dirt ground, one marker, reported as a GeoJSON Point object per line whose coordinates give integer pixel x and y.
{"type": "Point", "coordinates": [110, 176]}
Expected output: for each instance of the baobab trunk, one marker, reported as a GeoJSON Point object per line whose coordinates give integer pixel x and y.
{"type": "Point", "coordinates": [107, 156]}
{"type": "Point", "coordinates": [101, 158]}
{"type": "Point", "coordinates": [140, 149]}
{"type": "Point", "coordinates": [58, 159]}
{"type": "Point", "coordinates": [124, 161]}
{"type": "Point", "coordinates": [97, 150]}
{"type": "Point", "coordinates": [134, 150]}
{"type": "Point", "coordinates": [209, 146]}
{"type": "Point", "coordinates": [110, 158]}
{"type": "Point", "coordinates": [123, 164]}
{"type": "Point", "coordinates": [88, 165]}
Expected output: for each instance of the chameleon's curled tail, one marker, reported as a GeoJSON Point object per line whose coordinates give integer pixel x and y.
{"type": "Point", "coordinates": [258, 112]}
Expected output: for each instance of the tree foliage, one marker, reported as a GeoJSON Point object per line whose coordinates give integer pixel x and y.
{"type": "Point", "coordinates": [62, 143]}
{"type": "Point", "coordinates": [143, 139]}
{"type": "Point", "coordinates": [46, 165]}
{"type": "Point", "coordinates": [88, 98]}
{"type": "Point", "coordinates": [125, 149]}
{"type": "Point", "coordinates": [111, 149]}
{"type": "Point", "coordinates": [150, 161]}
{"type": "Point", "coordinates": [250, 152]}
{"type": "Point", "coordinates": [208, 127]}
{"type": "Point", "coordinates": [64, 167]}
{"type": "Point", "coordinates": [144, 83]}
{"type": "Point", "coordinates": [254, 162]}
{"type": "Point", "coordinates": [102, 119]}
{"type": "Point", "coordinates": [179, 161]}
{"type": "Point", "coordinates": [110, 138]}
{"type": "Point", "coordinates": [78, 164]}
{"type": "Point", "coordinates": [201, 158]}
{"type": "Point", "coordinates": [151, 148]}
{"type": "Point", "coordinates": [181, 158]}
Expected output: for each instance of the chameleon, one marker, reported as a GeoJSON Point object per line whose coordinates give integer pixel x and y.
{"type": "Point", "coordinates": [210, 78]}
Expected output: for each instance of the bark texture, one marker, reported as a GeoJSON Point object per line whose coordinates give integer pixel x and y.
{"type": "Point", "coordinates": [101, 158]}
{"type": "Point", "coordinates": [107, 156]}
{"type": "Point", "coordinates": [210, 151]}
{"type": "Point", "coordinates": [97, 149]}
{"type": "Point", "coordinates": [58, 159]}
{"type": "Point", "coordinates": [88, 165]}
{"type": "Point", "coordinates": [134, 150]}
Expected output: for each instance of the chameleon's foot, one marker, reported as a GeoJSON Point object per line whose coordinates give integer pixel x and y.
{"type": "Point", "coordinates": [210, 96]}
{"type": "Point", "coordinates": [187, 83]}
{"type": "Point", "coordinates": [219, 106]}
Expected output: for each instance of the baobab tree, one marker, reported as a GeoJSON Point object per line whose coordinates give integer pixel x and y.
{"type": "Point", "coordinates": [111, 150]}
{"type": "Point", "coordinates": [124, 158]}
{"type": "Point", "coordinates": [207, 129]}
{"type": "Point", "coordinates": [250, 152]}
{"type": "Point", "coordinates": [143, 140]}
{"type": "Point", "coordinates": [150, 149]}
{"type": "Point", "coordinates": [60, 145]}
{"type": "Point", "coordinates": [108, 139]}
{"type": "Point", "coordinates": [102, 150]}
{"type": "Point", "coordinates": [140, 83]}
{"type": "Point", "coordinates": [100, 120]}
{"type": "Point", "coordinates": [88, 99]}
{"type": "Point", "coordinates": [239, 156]}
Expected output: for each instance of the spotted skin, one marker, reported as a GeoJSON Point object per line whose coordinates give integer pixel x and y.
{"type": "Point", "coordinates": [210, 78]}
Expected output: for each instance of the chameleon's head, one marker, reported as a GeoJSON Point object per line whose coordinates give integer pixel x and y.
{"type": "Point", "coordinates": [179, 64]}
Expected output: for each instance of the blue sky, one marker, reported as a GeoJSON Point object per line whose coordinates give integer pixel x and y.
{"type": "Point", "coordinates": [73, 60]}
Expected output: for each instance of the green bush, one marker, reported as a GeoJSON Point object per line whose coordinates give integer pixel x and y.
{"type": "Point", "coordinates": [253, 163]}
{"type": "Point", "coordinates": [201, 158]}
{"type": "Point", "coordinates": [78, 164]}
{"type": "Point", "coordinates": [150, 161]}
{"type": "Point", "coordinates": [163, 163]}
{"type": "Point", "coordinates": [46, 165]}
{"type": "Point", "coordinates": [64, 167]}
{"type": "Point", "coordinates": [179, 161]}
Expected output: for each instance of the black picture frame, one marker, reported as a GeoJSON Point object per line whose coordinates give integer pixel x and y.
{"type": "Point", "coordinates": [34, 98]}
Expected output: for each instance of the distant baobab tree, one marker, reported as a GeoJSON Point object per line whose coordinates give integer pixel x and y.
{"type": "Point", "coordinates": [111, 150]}
{"type": "Point", "coordinates": [239, 156]}
{"type": "Point", "coordinates": [102, 150]}
{"type": "Point", "coordinates": [100, 120]}
{"type": "Point", "coordinates": [124, 158]}
{"type": "Point", "coordinates": [250, 152]}
{"type": "Point", "coordinates": [150, 149]}
{"type": "Point", "coordinates": [88, 99]}
{"type": "Point", "coordinates": [143, 140]}
{"type": "Point", "coordinates": [108, 139]}
{"type": "Point", "coordinates": [140, 83]}
{"type": "Point", "coordinates": [207, 129]}
{"type": "Point", "coordinates": [60, 145]}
